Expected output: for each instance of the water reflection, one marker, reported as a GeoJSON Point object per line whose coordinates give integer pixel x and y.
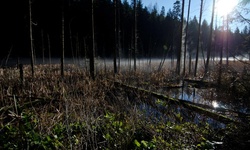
{"type": "Point", "coordinates": [168, 113]}
{"type": "Point", "coordinates": [205, 96]}
{"type": "Point", "coordinates": [215, 104]}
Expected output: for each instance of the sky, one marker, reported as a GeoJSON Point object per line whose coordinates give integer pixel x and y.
{"type": "Point", "coordinates": [195, 10]}
{"type": "Point", "coordinates": [195, 6]}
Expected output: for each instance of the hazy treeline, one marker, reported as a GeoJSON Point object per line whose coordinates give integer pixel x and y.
{"type": "Point", "coordinates": [158, 32]}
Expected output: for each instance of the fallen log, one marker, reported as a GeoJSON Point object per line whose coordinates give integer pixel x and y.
{"type": "Point", "coordinates": [186, 104]}
{"type": "Point", "coordinates": [200, 83]}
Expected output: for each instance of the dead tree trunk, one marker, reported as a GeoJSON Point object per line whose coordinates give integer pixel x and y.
{"type": "Point", "coordinates": [49, 49]}
{"type": "Point", "coordinates": [115, 39]}
{"type": "Point", "coordinates": [227, 40]}
{"type": "Point", "coordinates": [92, 53]}
{"type": "Point", "coordinates": [119, 34]}
{"type": "Point", "coordinates": [178, 65]}
{"type": "Point", "coordinates": [71, 41]}
{"type": "Point", "coordinates": [182, 21]}
{"type": "Point", "coordinates": [210, 40]}
{"type": "Point", "coordinates": [135, 33]}
{"type": "Point", "coordinates": [221, 54]}
{"type": "Point", "coordinates": [198, 41]}
{"type": "Point", "coordinates": [62, 52]}
{"type": "Point", "coordinates": [31, 40]}
{"type": "Point", "coordinates": [186, 37]}
{"type": "Point", "coordinates": [43, 48]}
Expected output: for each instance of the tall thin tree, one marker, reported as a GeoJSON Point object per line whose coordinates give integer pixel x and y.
{"type": "Point", "coordinates": [31, 39]}
{"type": "Point", "coordinates": [49, 49]}
{"type": "Point", "coordinates": [71, 40]}
{"type": "Point", "coordinates": [210, 39]}
{"type": "Point", "coordinates": [227, 34]}
{"type": "Point", "coordinates": [186, 38]}
{"type": "Point", "coordinates": [92, 53]}
{"type": "Point", "coordinates": [178, 65]}
{"type": "Point", "coordinates": [221, 52]}
{"type": "Point", "coordinates": [43, 48]}
{"type": "Point", "coordinates": [135, 33]}
{"type": "Point", "coordinates": [63, 46]}
{"type": "Point", "coordinates": [198, 41]}
{"type": "Point", "coordinates": [115, 39]}
{"type": "Point", "coordinates": [119, 34]}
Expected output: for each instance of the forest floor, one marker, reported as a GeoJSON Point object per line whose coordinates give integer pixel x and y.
{"type": "Point", "coordinates": [125, 111]}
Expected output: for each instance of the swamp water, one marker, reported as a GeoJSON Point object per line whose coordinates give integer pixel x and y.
{"type": "Point", "coordinates": [208, 98]}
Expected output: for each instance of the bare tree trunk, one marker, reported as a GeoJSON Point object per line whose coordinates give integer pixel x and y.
{"type": "Point", "coordinates": [131, 51]}
{"type": "Point", "coordinates": [186, 37]}
{"type": "Point", "coordinates": [202, 52]}
{"type": "Point", "coordinates": [210, 40]}
{"type": "Point", "coordinates": [163, 59]}
{"type": "Point", "coordinates": [20, 67]}
{"type": "Point", "coordinates": [92, 53]}
{"type": "Point", "coordinates": [198, 42]}
{"type": "Point", "coordinates": [43, 47]}
{"type": "Point", "coordinates": [85, 52]}
{"type": "Point", "coordinates": [172, 56]}
{"type": "Point", "coordinates": [8, 56]}
{"type": "Point", "coordinates": [62, 52]}
{"type": "Point", "coordinates": [71, 41]}
{"type": "Point", "coordinates": [115, 40]}
{"type": "Point", "coordinates": [119, 35]}
{"type": "Point", "coordinates": [135, 33]}
{"type": "Point", "coordinates": [190, 64]}
{"type": "Point", "coordinates": [227, 41]}
{"type": "Point", "coordinates": [49, 49]}
{"type": "Point", "coordinates": [178, 65]}
{"type": "Point", "coordinates": [221, 55]}
{"type": "Point", "coordinates": [78, 54]}
{"type": "Point", "coordinates": [31, 40]}
{"type": "Point", "coordinates": [220, 64]}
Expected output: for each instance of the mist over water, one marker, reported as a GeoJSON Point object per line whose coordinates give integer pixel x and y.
{"type": "Point", "coordinates": [124, 63]}
{"type": "Point", "coordinates": [100, 63]}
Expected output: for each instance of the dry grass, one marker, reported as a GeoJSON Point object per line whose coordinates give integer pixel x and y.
{"type": "Point", "coordinates": [78, 99]}
{"type": "Point", "coordinates": [53, 101]}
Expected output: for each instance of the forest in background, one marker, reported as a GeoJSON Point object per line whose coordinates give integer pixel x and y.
{"type": "Point", "coordinates": [158, 33]}
{"type": "Point", "coordinates": [76, 106]}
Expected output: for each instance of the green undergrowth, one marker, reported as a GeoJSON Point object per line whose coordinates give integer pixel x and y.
{"type": "Point", "coordinates": [113, 131]}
